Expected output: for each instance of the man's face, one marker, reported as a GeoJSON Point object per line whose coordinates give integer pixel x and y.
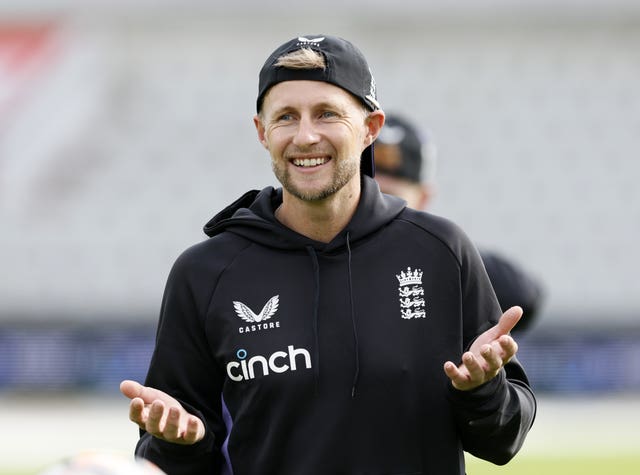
{"type": "Point", "coordinates": [315, 133]}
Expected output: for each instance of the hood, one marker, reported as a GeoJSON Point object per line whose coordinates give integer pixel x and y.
{"type": "Point", "coordinates": [252, 216]}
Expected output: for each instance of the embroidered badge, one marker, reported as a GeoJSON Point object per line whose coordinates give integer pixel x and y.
{"type": "Point", "coordinates": [411, 294]}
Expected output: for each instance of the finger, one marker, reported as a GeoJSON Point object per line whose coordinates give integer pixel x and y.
{"type": "Point", "coordinates": [461, 376]}
{"type": "Point", "coordinates": [132, 389]}
{"type": "Point", "coordinates": [474, 367]}
{"type": "Point", "coordinates": [508, 320]}
{"type": "Point", "coordinates": [508, 347]}
{"type": "Point", "coordinates": [505, 324]}
{"type": "Point", "coordinates": [155, 419]}
{"type": "Point", "coordinates": [137, 412]}
{"type": "Point", "coordinates": [194, 432]}
{"type": "Point", "coordinates": [492, 357]}
{"type": "Point", "coordinates": [171, 431]}
{"type": "Point", "coordinates": [454, 373]}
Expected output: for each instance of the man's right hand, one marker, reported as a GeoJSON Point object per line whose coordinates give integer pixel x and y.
{"type": "Point", "coordinates": [161, 415]}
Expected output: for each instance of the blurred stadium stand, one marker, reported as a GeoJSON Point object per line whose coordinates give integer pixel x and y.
{"type": "Point", "coordinates": [123, 129]}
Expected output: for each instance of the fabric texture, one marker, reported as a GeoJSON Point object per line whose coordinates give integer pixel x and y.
{"type": "Point", "coordinates": [311, 358]}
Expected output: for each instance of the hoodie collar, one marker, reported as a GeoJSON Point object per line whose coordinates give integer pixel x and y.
{"type": "Point", "coordinates": [252, 216]}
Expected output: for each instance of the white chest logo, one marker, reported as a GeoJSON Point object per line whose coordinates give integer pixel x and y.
{"type": "Point", "coordinates": [411, 294]}
{"type": "Point", "coordinates": [268, 311]}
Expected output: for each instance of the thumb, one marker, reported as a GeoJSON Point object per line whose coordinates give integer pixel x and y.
{"type": "Point", "coordinates": [506, 323]}
{"type": "Point", "coordinates": [131, 389]}
{"type": "Point", "coordinates": [508, 320]}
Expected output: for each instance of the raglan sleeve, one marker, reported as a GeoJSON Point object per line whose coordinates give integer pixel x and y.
{"type": "Point", "coordinates": [495, 418]}
{"type": "Point", "coordinates": [183, 366]}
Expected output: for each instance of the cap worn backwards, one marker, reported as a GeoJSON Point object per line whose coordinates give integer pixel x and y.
{"type": "Point", "coordinates": [346, 67]}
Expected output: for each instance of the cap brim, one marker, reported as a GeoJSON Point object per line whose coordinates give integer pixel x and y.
{"type": "Point", "coordinates": [367, 163]}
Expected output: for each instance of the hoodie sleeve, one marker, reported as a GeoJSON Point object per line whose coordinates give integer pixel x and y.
{"type": "Point", "coordinates": [183, 366]}
{"type": "Point", "coordinates": [493, 419]}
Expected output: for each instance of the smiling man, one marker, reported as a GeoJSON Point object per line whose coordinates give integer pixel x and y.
{"type": "Point", "coordinates": [377, 344]}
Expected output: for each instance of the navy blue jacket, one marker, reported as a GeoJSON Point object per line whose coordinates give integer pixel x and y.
{"type": "Point", "coordinates": [308, 358]}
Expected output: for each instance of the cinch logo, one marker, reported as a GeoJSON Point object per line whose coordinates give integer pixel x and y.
{"type": "Point", "coordinates": [278, 362]}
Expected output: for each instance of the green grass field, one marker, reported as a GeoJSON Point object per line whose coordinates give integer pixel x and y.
{"type": "Point", "coordinates": [575, 465]}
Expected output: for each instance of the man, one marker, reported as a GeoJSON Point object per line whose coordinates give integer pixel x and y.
{"type": "Point", "coordinates": [405, 167]}
{"type": "Point", "coordinates": [326, 328]}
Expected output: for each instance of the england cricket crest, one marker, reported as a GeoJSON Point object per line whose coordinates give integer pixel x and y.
{"type": "Point", "coordinates": [411, 294]}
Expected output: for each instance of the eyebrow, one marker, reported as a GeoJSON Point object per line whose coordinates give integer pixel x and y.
{"type": "Point", "coordinates": [281, 110]}
{"type": "Point", "coordinates": [319, 106]}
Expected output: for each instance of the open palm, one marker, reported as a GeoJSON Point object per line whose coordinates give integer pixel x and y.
{"type": "Point", "coordinates": [161, 415]}
{"type": "Point", "coordinates": [487, 355]}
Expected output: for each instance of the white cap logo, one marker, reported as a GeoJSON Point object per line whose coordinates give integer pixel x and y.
{"type": "Point", "coordinates": [302, 39]}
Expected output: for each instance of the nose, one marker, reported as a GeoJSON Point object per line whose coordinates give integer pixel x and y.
{"type": "Point", "coordinates": [306, 133]}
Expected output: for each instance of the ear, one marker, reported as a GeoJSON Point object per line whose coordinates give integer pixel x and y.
{"type": "Point", "coordinates": [261, 131]}
{"type": "Point", "coordinates": [374, 123]}
{"type": "Point", "coordinates": [427, 193]}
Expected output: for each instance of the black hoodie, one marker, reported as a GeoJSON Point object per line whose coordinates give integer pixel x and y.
{"type": "Point", "coordinates": [308, 358]}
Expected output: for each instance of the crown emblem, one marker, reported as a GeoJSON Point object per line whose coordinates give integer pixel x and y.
{"type": "Point", "coordinates": [410, 277]}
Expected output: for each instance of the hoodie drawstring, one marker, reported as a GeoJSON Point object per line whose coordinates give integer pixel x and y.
{"type": "Point", "coordinates": [316, 304]}
{"type": "Point", "coordinates": [356, 374]}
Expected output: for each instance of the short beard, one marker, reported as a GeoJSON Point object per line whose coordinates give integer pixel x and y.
{"type": "Point", "coordinates": [343, 173]}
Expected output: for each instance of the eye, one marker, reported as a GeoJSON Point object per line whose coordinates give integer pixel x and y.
{"type": "Point", "coordinates": [328, 115]}
{"type": "Point", "coordinates": [285, 117]}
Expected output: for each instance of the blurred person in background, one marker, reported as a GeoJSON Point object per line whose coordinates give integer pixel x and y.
{"type": "Point", "coordinates": [406, 160]}
{"type": "Point", "coordinates": [324, 327]}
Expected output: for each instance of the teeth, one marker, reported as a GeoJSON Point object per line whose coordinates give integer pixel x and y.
{"type": "Point", "coordinates": [309, 162]}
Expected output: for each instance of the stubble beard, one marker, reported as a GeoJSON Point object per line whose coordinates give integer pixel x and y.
{"type": "Point", "coordinates": [344, 171]}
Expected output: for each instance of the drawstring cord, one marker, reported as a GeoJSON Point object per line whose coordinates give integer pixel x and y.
{"type": "Point", "coordinates": [353, 324]}
{"type": "Point", "coordinates": [316, 304]}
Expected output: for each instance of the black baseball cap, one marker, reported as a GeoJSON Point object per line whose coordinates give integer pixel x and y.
{"type": "Point", "coordinates": [400, 149]}
{"type": "Point", "coordinates": [346, 67]}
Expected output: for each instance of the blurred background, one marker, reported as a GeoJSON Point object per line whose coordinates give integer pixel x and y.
{"type": "Point", "coordinates": [124, 126]}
